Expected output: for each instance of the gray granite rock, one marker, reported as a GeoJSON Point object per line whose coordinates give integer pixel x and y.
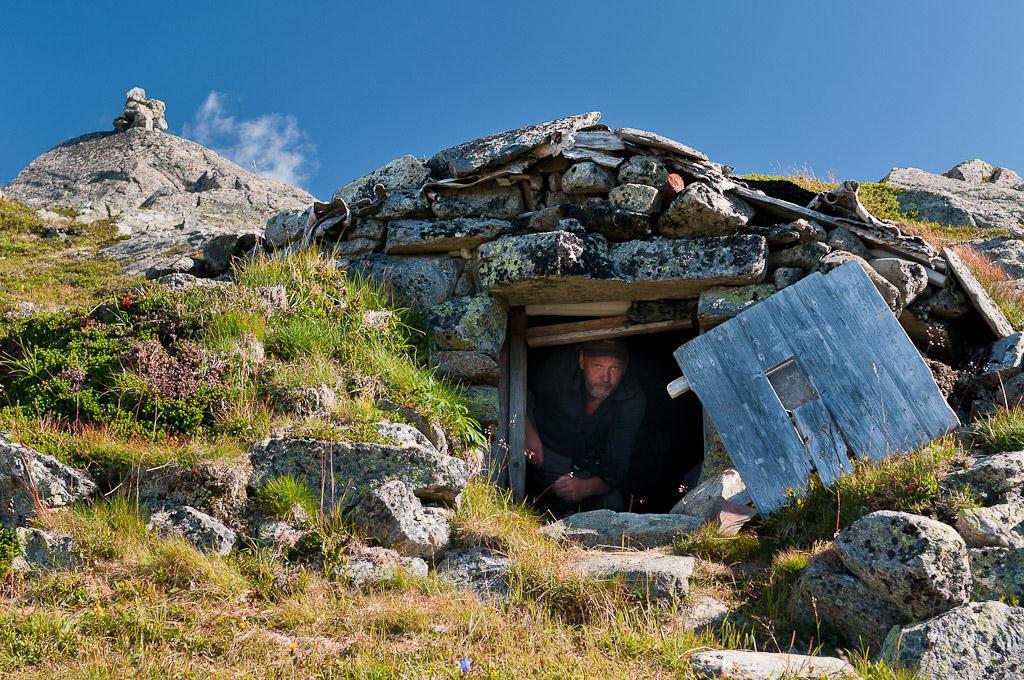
{"type": "Point", "coordinates": [441, 236]}
{"type": "Point", "coordinates": [404, 204]}
{"type": "Point", "coordinates": [647, 170]}
{"type": "Point", "coordinates": [991, 478]}
{"type": "Point", "coordinates": [639, 198]}
{"type": "Point", "coordinates": [466, 366]}
{"type": "Point", "coordinates": [393, 515]}
{"type": "Point", "coordinates": [653, 140]}
{"type": "Point", "coordinates": [700, 210]}
{"type": "Point", "coordinates": [998, 573]}
{"type": "Point", "coordinates": [842, 238]}
{"type": "Point", "coordinates": [26, 475]}
{"type": "Point", "coordinates": [1006, 252]}
{"type": "Point", "coordinates": [370, 566]}
{"type": "Point", "coordinates": [480, 570]}
{"type": "Point", "coordinates": [744, 665]}
{"type": "Point", "coordinates": [587, 178]}
{"type": "Point", "coordinates": [1004, 177]}
{"type": "Point", "coordinates": [286, 226]}
{"type": "Point", "coordinates": [198, 528]}
{"type": "Point", "coordinates": [39, 550]}
{"type": "Point", "coordinates": [702, 501]}
{"type": "Point", "coordinates": [608, 529]}
{"type": "Point", "coordinates": [402, 174]}
{"type": "Point", "coordinates": [1003, 361]}
{"type": "Point", "coordinates": [975, 170]}
{"type": "Point", "coordinates": [475, 323]}
{"type": "Point", "coordinates": [919, 564]}
{"type": "Point", "coordinates": [957, 202]}
{"type": "Point", "coordinates": [217, 487]}
{"type": "Point", "coordinates": [486, 153]}
{"type": "Point", "coordinates": [827, 597]}
{"type": "Point", "coordinates": [601, 216]}
{"type": "Point", "coordinates": [140, 112]}
{"type": "Point", "coordinates": [806, 256]}
{"type": "Point", "coordinates": [419, 283]}
{"type": "Point", "coordinates": [482, 200]}
{"type": "Point", "coordinates": [483, 403]}
{"type": "Point", "coordinates": [652, 575]}
{"type": "Point", "coordinates": [787, 276]}
{"type": "Point", "coordinates": [721, 303]}
{"type": "Point", "coordinates": [999, 525]}
{"type": "Point", "coordinates": [977, 641]}
{"type": "Point", "coordinates": [909, 278]}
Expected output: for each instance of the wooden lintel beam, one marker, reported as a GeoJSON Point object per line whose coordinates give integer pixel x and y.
{"type": "Point", "coordinates": [572, 326]}
{"type": "Point", "coordinates": [606, 333]}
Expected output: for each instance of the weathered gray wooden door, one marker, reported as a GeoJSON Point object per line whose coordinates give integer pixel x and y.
{"type": "Point", "coordinates": [817, 373]}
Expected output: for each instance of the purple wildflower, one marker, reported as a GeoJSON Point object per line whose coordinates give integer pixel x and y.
{"type": "Point", "coordinates": [465, 664]}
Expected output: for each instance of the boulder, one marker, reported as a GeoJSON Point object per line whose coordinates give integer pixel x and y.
{"type": "Point", "coordinates": [26, 475]}
{"type": "Point", "coordinates": [609, 529]}
{"type": "Point", "coordinates": [392, 514]}
{"type": "Point", "coordinates": [918, 564]}
{"type": "Point", "coordinates": [639, 198]}
{"type": "Point", "coordinates": [977, 641]}
{"type": "Point", "coordinates": [700, 210]}
{"type": "Point", "coordinates": [354, 247]}
{"type": "Point", "coordinates": [1006, 252]}
{"type": "Point", "coordinates": [806, 256]}
{"type": "Point", "coordinates": [652, 140]}
{"type": "Point", "coordinates": [646, 170]}
{"type": "Point", "coordinates": [956, 202]}
{"type": "Point", "coordinates": [278, 534]}
{"type": "Point", "coordinates": [442, 236]}
{"type": "Point", "coordinates": [483, 403]}
{"type": "Point", "coordinates": [654, 576]}
{"type": "Point", "coordinates": [948, 304]}
{"type": "Point", "coordinates": [140, 112]}
{"type": "Point", "coordinates": [39, 550]}
{"type": "Point", "coordinates": [743, 665]}
{"type": "Point", "coordinates": [481, 200]}
{"type": "Point", "coordinates": [909, 278]}
{"type": "Point", "coordinates": [842, 238]}
{"type": "Point", "coordinates": [889, 293]}
{"type": "Point", "coordinates": [1003, 361]}
{"type": "Point", "coordinates": [975, 170]}
{"type": "Point", "coordinates": [702, 613]}
{"type": "Point", "coordinates": [483, 154]}
{"type": "Point", "coordinates": [358, 467]}
{"type": "Point", "coordinates": [787, 276]}
{"type": "Point", "coordinates": [554, 266]}
{"type": "Point", "coordinates": [217, 487]}
{"type": "Point", "coordinates": [998, 573]}
{"type": "Point", "coordinates": [405, 173]}
{"type": "Point", "coordinates": [420, 283]}
{"type": "Point", "coordinates": [703, 500]}
{"type": "Point", "coordinates": [480, 570]}
{"type": "Point", "coordinates": [404, 204]}
{"type": "Point", "coordinates": [286, 227]}
{"type": "Point", "coordinates": [602, 216]}
{"type": "Point", "coordinates": [466, 366]}
{"type": "Point", "coordinates": [220, 250]}
{"type": "Point", "coordinates": [475, 323]}
{"type": "Point", "coordinates": [198, 528]}
{"type": "Point", "coordinates": [999, 525]}
{"type": "Point", "coordinates": [721, 303]}
{"type": "Point", "coordinates": [367, 567]}
{"type": "Point", "coordinates": [827, 597]}
{"type": "Point", "coordinates": [587, 178]}
{"type": "Point", "coordinates": [991, 478]}
{"type": "Point", "coordinates": [1004, 177]}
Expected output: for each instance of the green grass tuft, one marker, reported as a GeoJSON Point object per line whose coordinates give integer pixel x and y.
{"type": "Point", "coordinates": [280, 495]}
{"type": "Point", "coordinates": [1003, 431]}
{"type": "Point", "coordinates": [709, 542]}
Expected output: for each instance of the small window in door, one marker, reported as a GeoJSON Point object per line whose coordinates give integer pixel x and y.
{"type": "Point", "coordinates": [791, 385]}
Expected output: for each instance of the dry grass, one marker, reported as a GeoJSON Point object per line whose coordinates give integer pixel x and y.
{"type": "Point", "coordinates": [997, 283]}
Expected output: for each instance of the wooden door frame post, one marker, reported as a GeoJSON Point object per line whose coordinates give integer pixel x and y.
{"type": "Point", "coordinates": [516, 340]}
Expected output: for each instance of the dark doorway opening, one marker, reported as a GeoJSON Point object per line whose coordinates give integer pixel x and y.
{"type": "Point", "coordinates": [669, 447]}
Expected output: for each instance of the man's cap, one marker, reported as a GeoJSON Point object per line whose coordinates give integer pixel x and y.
{"type": "Point", "coordinates": [617, 349]}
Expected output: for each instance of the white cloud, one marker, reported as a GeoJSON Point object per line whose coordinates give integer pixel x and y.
{"type": "Point", "coordinates": [271, 145]}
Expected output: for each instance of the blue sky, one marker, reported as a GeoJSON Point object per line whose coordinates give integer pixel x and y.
{"type": "Point", "coordinates": [322, 92]}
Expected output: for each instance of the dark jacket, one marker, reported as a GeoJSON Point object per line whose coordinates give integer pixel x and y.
{"type": "Point", "coordinates": [600, 443]}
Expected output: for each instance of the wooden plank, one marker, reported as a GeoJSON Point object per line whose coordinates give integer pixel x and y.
{"type": "Point", "coordinates": [678, 387]}
{"type": "Point", "coordinates": [589, 324]}
{"type": "Point", "coordinates": [517, 401]}
{"type": "Point", "coordinates": [613, 308]}
{"type": "Point", "coordinates": [823, 440]}
{"type": "Point", "coordinates": [599, 140]}
{"type": "Point", "coordinates": [979, 297]}
{"type": "Point", "coordinates": [606, 333]}
{"type": "Point", "coordinates": [902, 246]}
{"type": "Point", "coordinates": [753, 425]}
{"type": "Point", "coordinates": [498, 464]}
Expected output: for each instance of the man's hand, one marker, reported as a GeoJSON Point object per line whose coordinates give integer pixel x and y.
{"type": "Point", "coordinates": [574, 489]}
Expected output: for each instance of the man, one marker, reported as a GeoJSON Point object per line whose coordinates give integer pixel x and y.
{"type": "Point", "coordinates": [584, 414]}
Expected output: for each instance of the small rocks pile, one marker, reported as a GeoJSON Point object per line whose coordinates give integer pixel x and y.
{"type": "Point", "coordinates": [921, 592]}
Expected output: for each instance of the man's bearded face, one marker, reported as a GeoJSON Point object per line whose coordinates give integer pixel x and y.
{"type": "Point", "coordinates": [601, 375]}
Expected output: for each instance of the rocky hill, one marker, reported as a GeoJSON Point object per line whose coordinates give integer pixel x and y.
{"type": "Point", "coordinates": [185, 208]}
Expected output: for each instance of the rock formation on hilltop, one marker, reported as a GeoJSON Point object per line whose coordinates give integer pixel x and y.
{"type": "Point", "coordinates": [972, 193]}
{"type": "Point", "coordinates": [186, 208]}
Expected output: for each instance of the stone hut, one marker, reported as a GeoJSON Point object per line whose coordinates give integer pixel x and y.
{"type": "Point", "coordinates": [570, 230]}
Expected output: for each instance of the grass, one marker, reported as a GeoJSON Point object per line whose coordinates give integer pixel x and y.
{"type": "Point", "coordinates": [280, 496]}
{"type": "Point", "coordinates": [907, 482]}
{"type": "Point", "coordinates": [1002, 431]}
{"type": "Point", "coordinates": [710, 542]}
{"type": "Point", "coordinates": [55, 272]}
{"type": "Point", "coordinates": [997, 283]}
